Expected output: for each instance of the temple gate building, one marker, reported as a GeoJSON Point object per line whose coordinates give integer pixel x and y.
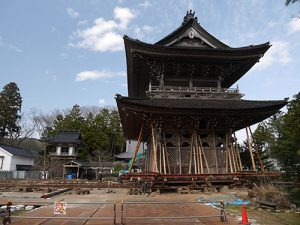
{"type": "Point", "coordinates": [182, 104]}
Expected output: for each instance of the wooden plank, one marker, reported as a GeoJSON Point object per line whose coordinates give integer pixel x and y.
{"type": "Point", "coordinates": [164, 159]}
{"type": "Point", "coordinates": [215, 152]}
{"type": "Point", "coordinates": [154, 148]}
{"type": "Point", "coordinates": [179, 151]}
{"type": "Point", "coordinates": [238, 154]}
{"type": "Point", "coordinates": [137, 147]}
{"type": "Point", "coordinates": [199, 152]}
{"type": "Point", "coordinates": [228, 150]}
{"type": "Point", "coordinates": [257, 153]}
{"type": "Point", "coordinates": [232, 153]}
{"type": "Point", "coordinates": [191, 155]}
{"type": "Point", "coordinates": [250, 150]}
{"type": "Point", "coordinates": [167, 154]}
{"type": "Point", "coordinates": [204, 156]}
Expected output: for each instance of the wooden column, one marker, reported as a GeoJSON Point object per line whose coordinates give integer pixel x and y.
{"type": "Point", "coordinates": [154, 145]}
{"type": "Point", "coordinates": [250, 150]}
{"type": "Point", "coordinates": [233, 153]}
{"type": "Point", "coordinates": [199, 153]}
{"type": "Point", "coordinates": [137, 147]}
{"type": "Point", "coordinates": [238, 154]}
{"type": "Point", "coordinates": [164, 160]}
{"type": "Point", "coordinates": [179, 151]}
{"type": "Point", "coordinates": [77, 172]}
{"type": "Point", "coordinates": [191, 155]}
{"type": "Point", "coordinates": [215, 152]}
{"type": "Point", "coordinates": [196, 153]}
{"type": "Point", "coordinates": [204, 156]}
{"type": "Point", "coordinates": [228, 150]}
{"type": "Point", "coordinates": [167, 154]}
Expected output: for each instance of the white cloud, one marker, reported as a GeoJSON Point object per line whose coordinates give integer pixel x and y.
{"type": "Point", "coordinates": [53, 29]}
{"type": "Point", "coordinates": [294, 25]}
{"type": "Point", "coordinates": [101, 101]}
{"type": "Point", "coordinates": [145, 4]}
{"type": "Point", "coordinates": [278, 53]}
{"type": "Point", "coordinates": [140, 32]}
{"type": "Point", "coordinates": [1, 42]}
{"type": "Point", "coordinates": [72, 13]}
{"type": "Point", "coordinates": [125, 15]}
{"type": "Point", "coordinates": [189, 4]}
{"type": "Point", "coordinates": [82, 22]}
{"type": "Point", "coordinates": [15, 48]}
{"type": "Point", "coordinates": [96, 75]}
{"type": "Point", "coordinates": [104, 34]}
{"type": "Point", "coordinates": [124, 85]}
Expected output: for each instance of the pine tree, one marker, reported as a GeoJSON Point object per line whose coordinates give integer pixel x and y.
{"type": "Point", "coordinates": [10, 109]}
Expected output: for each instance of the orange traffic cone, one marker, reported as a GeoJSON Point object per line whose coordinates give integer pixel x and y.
{"type": "Point", "coordinates": [244, 216]}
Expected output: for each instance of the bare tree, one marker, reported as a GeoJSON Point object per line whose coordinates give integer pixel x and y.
{"type": "Point", "coordinates": [97, 160]}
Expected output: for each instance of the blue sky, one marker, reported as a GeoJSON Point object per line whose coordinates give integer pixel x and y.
{"type": "Point", "coordinates": [63, 52]}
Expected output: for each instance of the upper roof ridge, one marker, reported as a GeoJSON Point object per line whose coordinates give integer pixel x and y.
{"type": "Point", "coordinates": [189, 15]}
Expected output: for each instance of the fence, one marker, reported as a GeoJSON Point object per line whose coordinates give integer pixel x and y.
{"type": "Point", "coordinates": [21, 174]}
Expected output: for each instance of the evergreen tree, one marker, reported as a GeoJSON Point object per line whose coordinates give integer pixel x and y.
{"type": "Point", "coordinates": [10, 108]}
{"type": "Point", "coordinates": [287, 146]}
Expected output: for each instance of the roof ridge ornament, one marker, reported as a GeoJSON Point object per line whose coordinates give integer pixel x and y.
{"type": "Point", "coordinates": [189, 15]}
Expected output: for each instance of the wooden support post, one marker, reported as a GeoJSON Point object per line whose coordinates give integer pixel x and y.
{"type": "Point", "coordinates": [226, 155]}
{"type": "Point", "coordinates": [250, 150]}
{"type": "Point", "coordinates": [154, 168]}
{"type": "Point", "coordinates": [179, 152]}
{"type": "Point", "coordinates": [228, 150]}
{"type": "Point", "coordinates": [199, 153]}
{"type": "Point", "coordinates": [137, 147]}
{"type": "Point", "coordinates": [262, 167]}
{"type": "Point", "coordinates": [233, 157]}
{"type": "Point", "coordinates": [160, 156]}
{"type": "Point", "coordinates": [232, 153]}
{"type": "Point", "coordinates": [164, 159]}
{"type": "Point", "coordinates": [167, 154]}
{"type": "Point", "coordinates": [191, 155]}
{"type": "Point", "coordinates": [238, 153]}
{"type": "Point", "coordinates": [204, 156]}
{"type": "Point", "coordinates": [195, 161]}
{"type": "Point", "coordinates": [215, 152]}
{"type": "Point", "coordinates": [77, 172]}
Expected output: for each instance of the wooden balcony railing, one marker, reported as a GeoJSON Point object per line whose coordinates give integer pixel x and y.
{"type": "Point", "coordinates": [62, 154]}
{"type": "Point", "coordinates": [193, 92]}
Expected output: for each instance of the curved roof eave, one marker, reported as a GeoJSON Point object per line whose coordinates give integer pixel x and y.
{"type": "Point", "coordinates": [137, 45]}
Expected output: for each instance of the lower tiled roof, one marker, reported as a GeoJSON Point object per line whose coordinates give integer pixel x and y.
{"type": "Point", "coordinates": [202, 104]}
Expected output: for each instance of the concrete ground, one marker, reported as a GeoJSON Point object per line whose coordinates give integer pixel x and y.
{"type": "Point", "coordinates": [97, 208]}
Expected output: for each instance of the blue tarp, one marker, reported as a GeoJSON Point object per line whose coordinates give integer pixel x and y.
{"type": "Point", "coordinates": [235, 202]}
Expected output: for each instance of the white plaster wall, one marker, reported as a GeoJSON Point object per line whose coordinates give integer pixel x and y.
{"type": "Point", "coordinates": [20, 161]}
{"type": "Point", "coordinates": [71, 150]}
{"type": "Point", "coordinates": [131, 145]}
{"type": "Point", "coordinates": [58, 150]}
{"type": "Point", "coordinates": [6, 159]}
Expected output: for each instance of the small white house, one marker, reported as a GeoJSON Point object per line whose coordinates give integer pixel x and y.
{"type": "Point", "coordinates": [130, 148]}
{"type": "Point", "coordinates": [15, 159]}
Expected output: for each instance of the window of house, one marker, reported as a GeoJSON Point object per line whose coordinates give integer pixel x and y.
{"type": "Point", "coordinates": [64, 151]}
{"type": "Point", "coordinates": [1, 162]}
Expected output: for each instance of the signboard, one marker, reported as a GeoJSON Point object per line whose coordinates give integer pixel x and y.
{"type": "Point", "coordinates": [60, 208]}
